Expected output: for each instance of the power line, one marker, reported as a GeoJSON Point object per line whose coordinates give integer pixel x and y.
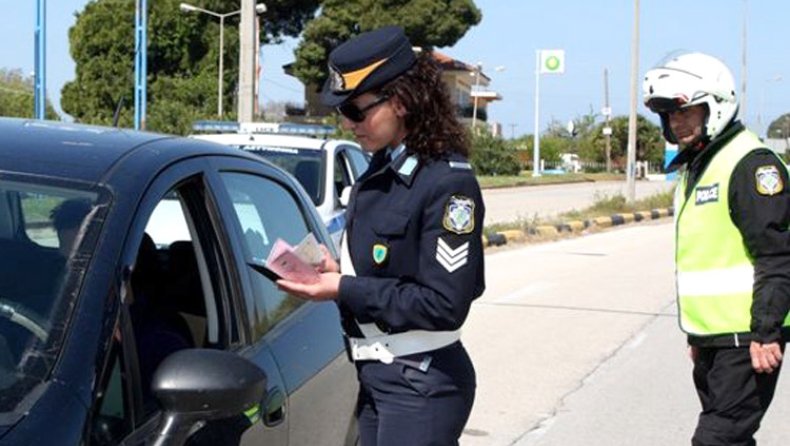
{"type": "Point", "coordinates": [277, 84]}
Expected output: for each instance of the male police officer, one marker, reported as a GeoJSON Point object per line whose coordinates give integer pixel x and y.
{"type": "Point", "coordinates": [732, 246]}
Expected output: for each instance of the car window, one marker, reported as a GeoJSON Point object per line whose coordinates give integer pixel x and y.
{"type": "Point", "coordinates": [43, 227]}
{"type": "Point", "coordinates": [359, 160]}
{"type": "Point", "coordinates": [112, 420]}
{"type": "Point", "coordinates": [304, 164]}
{"type": "Point", "coordinates": [265, 211]}
{"type": "Point", "coordinates": [342, 177]}
{"type": "Point", "coordinates": [175, 294]}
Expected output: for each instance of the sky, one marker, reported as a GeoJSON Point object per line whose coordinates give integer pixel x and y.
{"type": "Point", "coordinates": [595, 35]}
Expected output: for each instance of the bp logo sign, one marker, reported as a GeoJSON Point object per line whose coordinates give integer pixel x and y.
{"type": "Point", "coordinates": [552, 61]}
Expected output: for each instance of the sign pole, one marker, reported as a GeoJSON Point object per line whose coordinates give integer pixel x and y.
{"type": "Point", "coordinates": [536, 136]}
{"type": "Point", "coordinates": [140, 64]}
{"type": "Point", "coordinates": [40, 96]}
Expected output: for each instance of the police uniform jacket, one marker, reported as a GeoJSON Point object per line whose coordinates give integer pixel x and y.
{"type": "Point", "coordinates": [763, 220]}
{"type": "Point", "coordinates": [414, 235]}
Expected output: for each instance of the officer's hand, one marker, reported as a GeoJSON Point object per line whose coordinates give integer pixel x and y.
{"type": "Point", "coordinates": [765, 357]}
{"type": "Point", "coordinates": [325, 289]}
{"type": "Point", "coordinates": [328, 263]}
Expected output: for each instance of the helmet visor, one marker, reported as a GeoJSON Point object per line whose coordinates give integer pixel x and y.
{"type": "Point", "coordinates": [659, 104]}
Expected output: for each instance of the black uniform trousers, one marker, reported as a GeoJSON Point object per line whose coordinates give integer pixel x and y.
{"type": "Point", "coordinates": [734, 397]}
{"type": "Point", "coordinates": [401, 405]}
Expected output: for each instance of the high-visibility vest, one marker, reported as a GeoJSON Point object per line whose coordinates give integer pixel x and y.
{"type": "Point", "coordinates": [714, 270]}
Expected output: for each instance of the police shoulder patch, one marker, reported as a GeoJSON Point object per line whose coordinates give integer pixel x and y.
{"type": "Point", "coordinates": [459, 215]}
{"type": "Point", "coordinates": [768, 181]}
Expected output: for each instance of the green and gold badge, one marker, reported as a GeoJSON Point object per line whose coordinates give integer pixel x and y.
{"type": "Point", "coordinates": [380, 253]}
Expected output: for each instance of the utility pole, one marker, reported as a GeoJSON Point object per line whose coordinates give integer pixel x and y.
{"type": "Point", "coordinates": [607, 112]}
{"type": "Point", "coordinates": [631, 164]}
{"type": "Point", "coordinates": [247, 48]}
{"type": "Point", "coordinates": [743, 62]}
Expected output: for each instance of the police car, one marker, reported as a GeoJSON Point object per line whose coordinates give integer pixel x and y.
{"type": "Point", "coordinates": [326, 168]}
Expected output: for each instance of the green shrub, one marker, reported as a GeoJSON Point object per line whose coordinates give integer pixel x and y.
{"type": "Point", "coordinates": [491, 155]}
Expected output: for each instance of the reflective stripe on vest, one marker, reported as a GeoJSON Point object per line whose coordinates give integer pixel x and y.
{"type": "Point", "coordinates": [714, 271]}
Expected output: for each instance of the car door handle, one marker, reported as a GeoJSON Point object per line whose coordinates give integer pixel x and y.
{"type": "Point", "coordinates": [274, 407]}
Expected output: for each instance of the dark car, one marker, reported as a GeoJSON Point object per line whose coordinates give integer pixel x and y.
{"type": "Point", "coordinates": [132, 309]}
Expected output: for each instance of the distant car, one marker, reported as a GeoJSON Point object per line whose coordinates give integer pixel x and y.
{"type": "Point", "coordinates": [147, 321]}
{"type": "Point", "coordinates": [326, 168]}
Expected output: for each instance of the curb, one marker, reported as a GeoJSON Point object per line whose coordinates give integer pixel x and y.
{"type": "Point", "coordinates": [515, 235]}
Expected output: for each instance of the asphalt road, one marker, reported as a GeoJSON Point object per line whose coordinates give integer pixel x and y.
{"type": "Point", "coordinates": [576, 343]}
{"type": "Point", "coordinates": [515, 203]}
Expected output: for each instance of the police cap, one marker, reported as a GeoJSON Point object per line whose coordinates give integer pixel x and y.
{"type": "Point", "coordinates": [366, 62]}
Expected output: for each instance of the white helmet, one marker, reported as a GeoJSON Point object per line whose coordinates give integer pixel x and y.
{"type": "Point", "coordinates": [688, 80]}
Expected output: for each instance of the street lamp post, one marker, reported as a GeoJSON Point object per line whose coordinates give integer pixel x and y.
{"type": "Point", "coordinates": [475, 91]}
{"type": "Point", "coordinates": [260, 8]}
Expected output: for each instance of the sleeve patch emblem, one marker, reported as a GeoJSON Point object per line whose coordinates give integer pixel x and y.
{"type": "Point", "coordinates": [459, 215]}
{"type": "Point", "coordinates": [768, 180]}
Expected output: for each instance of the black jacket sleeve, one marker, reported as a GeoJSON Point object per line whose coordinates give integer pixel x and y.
{"type": "Point", "coordinates": [450, 270]}
{"type": "Point", "coordinates": [762, 214]}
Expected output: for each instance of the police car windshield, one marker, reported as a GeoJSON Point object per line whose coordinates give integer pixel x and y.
{"type": "Point", "coordinates": [42, 227]}
{"type": "Point", "coordinates": [304, 164]}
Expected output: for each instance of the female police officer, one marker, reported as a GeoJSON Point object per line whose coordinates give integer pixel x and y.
{"type": "Point", "coordinates": [412, 254]}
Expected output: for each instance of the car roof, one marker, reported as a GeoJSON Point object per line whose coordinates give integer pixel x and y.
{"type": "Point", "coordinates": [271, 140]}
{"type": "Point", "coordinates": [89, 153]}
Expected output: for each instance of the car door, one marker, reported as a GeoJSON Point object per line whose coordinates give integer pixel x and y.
{"type": "Point", "coordinates": [181, 290]}
{"type": "Point", "coordinates": [305, 337]}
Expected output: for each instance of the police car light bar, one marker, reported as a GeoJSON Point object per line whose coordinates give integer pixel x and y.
{"type": "Point", "coordinates": [257, 128]}
{"type": "Point", "coordinates": [286, 128]}
{"type": "Point", "coordinates": [216, 126]}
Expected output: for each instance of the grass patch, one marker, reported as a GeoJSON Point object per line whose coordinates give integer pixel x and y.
{"type": "Point", "coordinates": [37, 210]}
{"type": "Point", "coordinates": [604, 206]}
{"type": "Point", "coordinates": [525, 178]}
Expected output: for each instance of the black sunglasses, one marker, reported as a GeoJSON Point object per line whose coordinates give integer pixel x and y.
{"type": "Point", "coordinates": [357, 114]}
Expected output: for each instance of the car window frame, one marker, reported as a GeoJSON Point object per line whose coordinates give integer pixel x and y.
{"type": "Point", "coordinates": [175, 176]}
{"type": "Point", "coordinates": [273, 173]}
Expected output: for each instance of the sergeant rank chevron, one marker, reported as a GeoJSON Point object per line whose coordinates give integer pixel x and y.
{"type": "Point", "coordinates": [451, 259]}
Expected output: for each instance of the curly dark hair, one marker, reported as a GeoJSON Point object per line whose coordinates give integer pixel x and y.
{"type": "Point", "coordinates": [433, 130]}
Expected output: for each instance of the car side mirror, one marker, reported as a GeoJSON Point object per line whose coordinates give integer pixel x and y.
{"type": "Point", "coordinates": [345, 196]}
{"type": "Point", "coordinates": [197, 385]}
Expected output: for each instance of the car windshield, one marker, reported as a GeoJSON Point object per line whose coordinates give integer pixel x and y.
{"type": "Point", "coordinates": [45, 230]}
{"type": "Point", "coordinates": [304, 164]}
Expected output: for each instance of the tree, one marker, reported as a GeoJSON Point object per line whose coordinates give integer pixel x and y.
{"type": "Point", "coordinates": [492, 155]}
{"type": "Point", "coordinates": [428, 23]}
{"type": "Point", "coordinates": [182, 59]}
{"type": "Point", "coordinates": [17, 96]}
{"type": "Point", "coordinates": [779, 127]}
{"type": "Point", "coordinates": [649, 142]}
